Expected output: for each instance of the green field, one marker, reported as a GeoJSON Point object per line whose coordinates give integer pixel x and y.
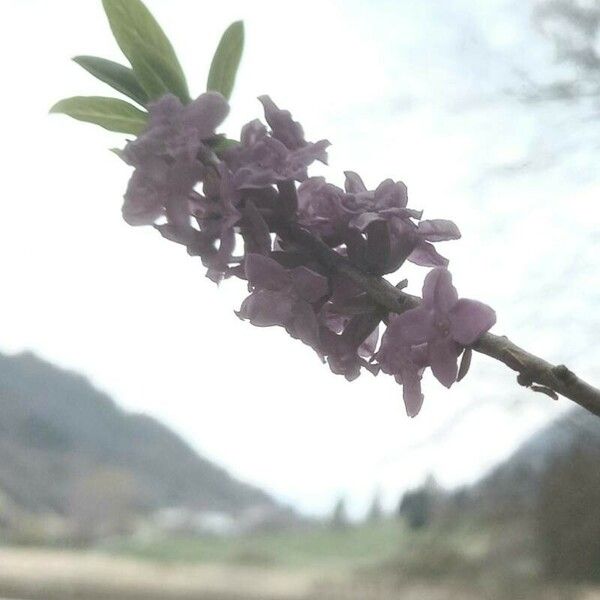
{"type": "Point", "coordinates": [321, 546]}
{"type": "Point", "coordinates": [377, 561]}
{"type": "Point", "coordinates": [373, 544]}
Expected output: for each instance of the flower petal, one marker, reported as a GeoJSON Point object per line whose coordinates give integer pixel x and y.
{"type": "Point", "coordinates": [443, 357]}
{"type": "Point", "coordinates": [391, 194]}
{"type": "Point", "coordinates": [362, 221]}
{"type": "Point", "coordinates": [284, 128]}
{"type": "Point", "coordinates": [414, 326]}
{"type": "Point", "coordinates": [354, 183]}
{"type": "Point", "coordinates": [252, 133]}
{"type": "Point", "coordinates": [425, 255]}
{"type": "Point", "coordinates": [438, 230]}
{"type": "Point", "coordinates": [204, 114]}
{"type": "Point", "coordinates": [438, 292]}
{"type": "Point", "coordinates": [321, 207]}
{"type": "Point", "coordinates": [265, 273]}
{"type": "Point", "coordinates": [309, 285]}
{"type": "Point", "coordinates": [266, 308]}
{"type": "Point", "coordinates": [367, 348]}
{"type": "Point", "coordinates": [469, 320]}
{"type": "Point", "coordinates": [143, 201]}
{"type": "Point", "coordinates": [304, 324]}
{"type": "Point", "coordinates": [411, 393]}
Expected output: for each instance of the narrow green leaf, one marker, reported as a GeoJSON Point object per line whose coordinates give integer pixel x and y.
{"type": "Point", "coordinates": [118, 76]}
{"type": "Point", "coordinates": [155, 75]}
{"type": "Point", "coordinates": [224, 66]}
{"type": "Point", "coordinates": [111, 113]}
{"type": "Point", "coordinates": [146, 47]}
{"type": "Point", "coordinates": [220, 143]}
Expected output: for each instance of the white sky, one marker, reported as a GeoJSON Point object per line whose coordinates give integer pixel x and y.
{"type": "Point", "coordinates": [409, 90]}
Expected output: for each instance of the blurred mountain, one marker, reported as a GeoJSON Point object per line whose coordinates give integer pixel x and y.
{"type": "Point", "coordinates": [513, 487]}
{"type": "Point", "coordinates": [64, 443]}
{"type": "Point", "coordinates": [547, 499]}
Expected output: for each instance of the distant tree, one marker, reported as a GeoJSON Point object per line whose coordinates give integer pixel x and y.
{"type": "Point", "coordinates": [416, 506]}
{"type": "Point", "coordinates": [567, 516]}
{"type": "Point", "coordinates": [339, 517]}
{"type": "Point", "coordinates": [375, 511]}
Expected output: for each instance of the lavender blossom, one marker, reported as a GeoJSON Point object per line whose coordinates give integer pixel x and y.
{"type": "Point", "coordinates": [283, 128]}
{"type": "Point", "coordinates": [435, 230]}
{"type": "Point", "coordinates": [165, 157]}
{"type": "Point", "coordinates": [349, 329]}
{"type": "Point", "coordinates": [322, 209]}
{"type": "Point", "coordinates": [445, 323]}
{"type": "Point", "coordinates": [252, 193]}
{"type": "Point", "coordinates": [407, 364]}
{"type": "Point", "coordinates": [265, 158]}
{"type": "Point", "coordinates": [282, 297]}
{"type": "Point", "coordinates": [217, 214]}
{"type": "Point", "coordinates": [377, 227]}
{"type": "Point", "coordinates": [387, 204]}
{"type": "Point", "coordinates": [353, 348]}
{"type": "Point", "coordinates": [313, 254]}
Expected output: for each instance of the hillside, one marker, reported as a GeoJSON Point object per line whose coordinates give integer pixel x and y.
{"type": "Point", "coordinates": [58, 434]}
{"type": "Point", "coordinates": [513, 486]}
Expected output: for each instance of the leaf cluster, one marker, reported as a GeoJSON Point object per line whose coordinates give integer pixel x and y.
{"type": "Point", "coordinates": [153, 71]}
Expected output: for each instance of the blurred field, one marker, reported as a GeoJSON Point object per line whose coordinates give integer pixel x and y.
{"type": "Point", "coordinates": [28, 573]}
{"type": "Point", "coordinates": [383, 561]}
{"type": "Point", "coordinates": [319, 547]}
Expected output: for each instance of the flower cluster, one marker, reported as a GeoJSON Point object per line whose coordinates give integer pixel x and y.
{"type": "Point", "coordinates": [232, 205]}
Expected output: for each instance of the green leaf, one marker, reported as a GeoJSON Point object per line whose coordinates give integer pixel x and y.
{"type": "Point", "coordinates": [226, 60]}
{"type": "Point", "coordinates": [147, 48]}
{"type": "Point", "coordinates": [111, 113]}
{"type": "Point", "coordinates": [119, 77]}
{"type": "Point", "coordinates": [220, 143]}
{"type": "Point", "coordinates": [155, 75]}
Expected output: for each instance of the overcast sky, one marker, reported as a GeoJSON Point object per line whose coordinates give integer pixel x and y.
{"type": "Point", "coordinates": [413, 90]}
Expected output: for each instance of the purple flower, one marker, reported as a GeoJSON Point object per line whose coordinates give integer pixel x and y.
{"type": "Point", "coordinates": [349, 328]}
{"type": "Point", "coordinates": [283, 127]}
{"type": "Point", "coordinates": [396, 357]}
{"type": "Point", "coordinates": [434, 230]}
{"type": "Point", "coordinates": [377, 227]}
{"type": "Point", "coordinates": [175, 129]}
{"type": "Point", "coordinates": [387, 204]}
{"type": "Point", "coordinates": [165, 157]}
{"type": "Point", "coordinates": [158, 188]}
{"type": "Point", "coordinates": [284, 298]}
{"type": "Point", "coordinates": [217, 213]}
{"type": "Point", "coordinates": [252, 196]}
{"type": "Point", "coordinates": [444, 323]}
{"type": "Point", "coordinates": [263, 159]}
{"type": "Point", "coordinates": [388, 196]}
{"type": "Point", "coordinates": [351, 349]}
{"type": "Point", "coordinates": [322, 209]}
